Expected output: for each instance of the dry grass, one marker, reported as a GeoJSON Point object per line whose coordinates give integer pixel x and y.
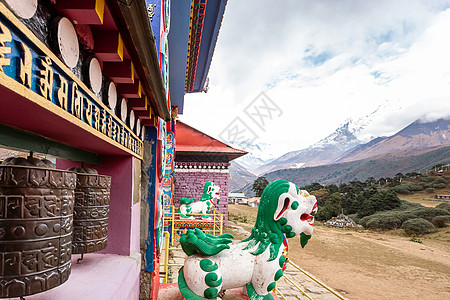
{"type": "Point", "coordinates": [426, 199]}
{"type": "Point", "coordinates": [369, 265]}
{"type": "Point", "coordinates": [235, 211]}
{"type": "Point", "coordinates": [376, 266]}
{"type": "Point", "coordinates": [244, 216]}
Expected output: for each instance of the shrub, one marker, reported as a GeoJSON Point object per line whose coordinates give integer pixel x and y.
{"type": "Point", "coordinates": [355, 218]}
{"type": "Point", "coordinates": [417, 226]}
{"type": "Point", "coordinates": [445, 206]}
{"type": "Point", "coordinates": [439, 185]}
{"type": "Point", "coordinates": [405, 215]}
{"type": "Point", "coordinates": [401, 189]}
{"type": "Point", "coordinates": [441, 221]}
{"type": "Point", "coordinates": [405, 205]}
{"type": "Point", "coordinates": [430, 190]}
{"type": "Point", "coordinates": [439, 180]}
{"type": "Point", "coordinates": [427, 178]}
{"type": "Point", "coordinates": [363, 221]}
{"type": "Point", "coordinates": [394, 218]}
{"type": "Point", "coordinates": [428, 213]}
{"type": "Point", "coordinates": [384, 221]}
{"type": "Point", "coordinates": [415, 187]}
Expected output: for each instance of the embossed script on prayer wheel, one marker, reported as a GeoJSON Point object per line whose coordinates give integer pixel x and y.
{"type": "Point", "coordinates": [91, 212]}
{"type": "Point", "coordinates": [36, 214]}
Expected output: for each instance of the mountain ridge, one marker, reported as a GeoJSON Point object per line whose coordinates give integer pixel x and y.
{"type": "Point", "coordinates": [416, 135]}
{"type": "Point", "coordinates": [383, 165]}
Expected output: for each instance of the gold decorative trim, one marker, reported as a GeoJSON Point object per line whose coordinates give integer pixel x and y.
{"type": "Point", "coordinates": [100, 9]}
{"type": "Point", "coordinates": [120, 47]}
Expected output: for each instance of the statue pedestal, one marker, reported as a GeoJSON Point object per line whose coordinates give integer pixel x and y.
{"type": "Point", "coordinates": [182, 224]}
{"type": "Point", "coordinates": [169, 291]}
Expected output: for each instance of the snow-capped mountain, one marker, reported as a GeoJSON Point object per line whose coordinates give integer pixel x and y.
{"type": "Point", "coordinates": [258, 155]}
{"type": "Point", "coordinates": [348, 135]}
{"type": "Point", "coordinates": [415, 148]}
{"type": "Point", "coordinates": [323, 152]}
{"type": "Point", "coordinates": [418, 134]}
{"type": "Point", "coordinates": [360, 126]}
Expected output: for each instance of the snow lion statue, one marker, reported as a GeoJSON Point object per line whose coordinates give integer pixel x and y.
{"type": "Point", "coordinates": [214, 265]}
{"type": "Point", "coordinates": [211, 192]}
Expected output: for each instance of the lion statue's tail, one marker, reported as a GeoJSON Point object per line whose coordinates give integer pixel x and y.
{"type": "Point", "coordinates": [184, 200]}
{"type": "Point", "coordinates": [197, 242]}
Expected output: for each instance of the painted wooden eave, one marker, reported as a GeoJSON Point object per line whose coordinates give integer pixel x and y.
{"type": "Point", "coordinates": [191, 141]}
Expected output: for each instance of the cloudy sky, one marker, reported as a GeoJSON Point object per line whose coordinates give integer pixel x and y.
{"type": "Point", "coordinates": [321, 62]}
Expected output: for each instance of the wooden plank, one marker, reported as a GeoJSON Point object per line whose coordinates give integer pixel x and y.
{"type": "Point", "coordinates": [83, 11]}
{"type": "Point", "coordinates": [28, 141]}
{"type": "Point", "coordinates": [108, 45]}
{"type": "Point", "coordinates": [119, 72]}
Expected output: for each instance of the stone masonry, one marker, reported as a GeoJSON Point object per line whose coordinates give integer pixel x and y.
{"type": "Point", "coordinates": [190, 178]}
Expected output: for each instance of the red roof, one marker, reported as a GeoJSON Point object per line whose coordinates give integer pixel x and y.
{"type": "Point", "coordinates": [191, 141]}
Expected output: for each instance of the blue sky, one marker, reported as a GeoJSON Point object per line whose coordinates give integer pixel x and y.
{"type": "Point", "coordinates": [323, 62]}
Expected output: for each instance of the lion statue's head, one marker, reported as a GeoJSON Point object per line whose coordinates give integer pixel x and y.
{"type": "Point", "coordinates": [283, 209]}
{"type": "Point", "coordinates": [211, 191]}
{"type": "Point", "coordinates": [296, 207]}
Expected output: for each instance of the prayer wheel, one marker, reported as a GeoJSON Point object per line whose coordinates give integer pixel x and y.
{"type": "Point", "coordinates": [36, 213]}
{"type": "Point", "coordinates": [91, 211]}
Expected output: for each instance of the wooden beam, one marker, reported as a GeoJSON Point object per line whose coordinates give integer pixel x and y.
{"type": "Point", "coordinates": [144, 114]}
{"type": "Point", "coordinates": [24, 140]}
{"type": "Point", "coordinates": [130, 90]}
{"type": "Point", "coordinates": [108, 45]}
{"type": "Point", "coordinates": [119, 72]}
{"type": "Point", "coordinates": [149, 122]}
{"type": "Point", "coordinates": [83, 11]}
{"type": "Point", "coordinates": [138, 104]}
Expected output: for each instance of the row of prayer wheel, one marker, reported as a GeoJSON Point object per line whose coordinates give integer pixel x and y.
{"type": "Point", "coordinates": [47, 214]}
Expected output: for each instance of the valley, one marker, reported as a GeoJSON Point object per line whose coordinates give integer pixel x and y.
{"type": "Point", "coordinates": [367, 264]}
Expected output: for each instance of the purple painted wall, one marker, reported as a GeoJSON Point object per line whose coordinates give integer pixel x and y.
{"type": "Point", "coordinates": [123, 227]}
{"type": "Point", "coordinates": [190, 178]}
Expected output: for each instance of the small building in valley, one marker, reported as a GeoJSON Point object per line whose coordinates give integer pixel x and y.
{"type": "Point", "coordinates": [254, 202]}
{"type": "Point", "coordinates": [235, 198]}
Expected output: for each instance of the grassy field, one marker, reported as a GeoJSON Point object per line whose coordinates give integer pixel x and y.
{"type": "Point", "coordinates": [368, 265]}
{"type": "Point", "coordinates": [426, 199]}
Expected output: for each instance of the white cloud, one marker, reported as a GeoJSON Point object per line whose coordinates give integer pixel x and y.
{"type": "Point", "coordinates": [325, 61]}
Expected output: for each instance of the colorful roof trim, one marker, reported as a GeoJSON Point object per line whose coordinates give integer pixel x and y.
{"type": "Point", "coordinates": [194, 28]}
{"type": "Point", "coordinates": [198, 9]}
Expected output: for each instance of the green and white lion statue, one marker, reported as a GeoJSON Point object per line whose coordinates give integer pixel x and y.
{"type": "Point", "coordinates": [188, 207]}
{"type": "Point", "coordinates": [214, 264]}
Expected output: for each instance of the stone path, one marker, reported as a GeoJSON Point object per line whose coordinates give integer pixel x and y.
{"type": "Point", "coordinates": [313, 289]}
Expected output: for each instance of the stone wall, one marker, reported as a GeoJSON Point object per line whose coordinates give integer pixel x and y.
{"type": "Point", "coordinates": [190, 178]}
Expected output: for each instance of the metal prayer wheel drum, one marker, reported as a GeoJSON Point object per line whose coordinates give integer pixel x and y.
{"type": "Point", "coordinates": [36, 214]}
{"type": "Point", "coordinates": [91, 211]}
